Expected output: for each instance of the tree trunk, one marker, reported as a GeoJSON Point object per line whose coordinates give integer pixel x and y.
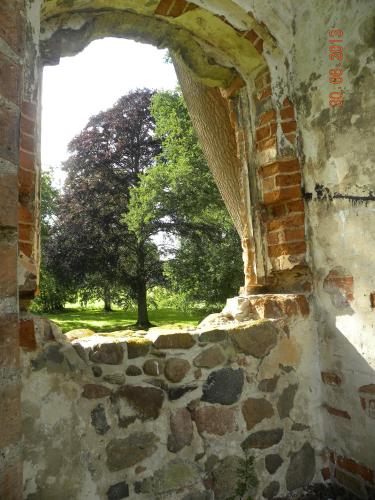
{"type": "Point", "coordinates": [142, 319]}
{"type": "Point", "coordinates": [107, 301]}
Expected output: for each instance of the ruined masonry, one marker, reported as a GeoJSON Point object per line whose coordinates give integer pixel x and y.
{"type": "Point", "coordinates": [286, 372]}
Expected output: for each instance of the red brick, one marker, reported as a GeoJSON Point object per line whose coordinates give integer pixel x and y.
{"type": "Point", "coordinates": [27, 335]}
{"type": "Point", "coordinates": [291, 138]}
{"type": "Point", "coordinates": [286, 222]}
{"type": "Point", "coordinates": [236, 84]}
{"type": "Point", "coordinates": [178, 8]}
{"type": "Point", "coordinates": [29, 109]}
{"type": "Point", "coordinates": [251, 35]}
{"type": "Point", "coordinates": [338, 280]}
{"type": "Point", "coordinates": [9, 131]}
{"type": "Point", "coordinates": [26, 248]}
{"type": "Point", "coordinates": [27, 125]}
{"type": "Point", "coordinates": [27, 160]}
{"type": "Point", "coordinates": [368, 389]}
{"type": "Point", "coordinates": [287, 113]}
{"type": "Point", "coordinates": [337, 413]}
{"type": "Point", "coordinates": [287, 249]}
{"type": "Point", "coordinates": [273, 238]}
{"type": "Point", "coordinates": [263, 133]}
{"type": "Point", "coordinates": [303, 305]}
{"type": "Point", "coordinates": [24, 215]}
{"type": "Point", "coordinates": [287, 103]}
{"type": "Point", "coordinates": [280, 167]}
{"type": "Point", "coordinates": [264, 94]}
{"type": "Point", "coordinates": [10, 415]}
{"type": "Point", "coordinates": [267, 144]}
{"type": "Point", "coordinates": [268, 116]}
{"type": "Point", "coordinates": [287, 127]}
{"type": "Point", "coordinates": [269, 184]}
{"type": "Point", "coordinates": [291, 308]}
{"type": "Point", "coordinates": [9, 79]}
{"type": "Point", "coordinates": [163, 7]}
{"type": "Point", "coordinates": [355, 468]}
{"type": "Point", "coordinates": [278, 210]}
{"type": "Point", "coordinates": [294, 234]}
{"type": "Point", "coordinates": [12, 24]}
{"type": "Point", "coordinates": [25, 232]}
{"type": "Point", "coordinates": [8, 199]}
{"type": "Point", "coordinates": [27, 143]}
{"type": "Point", "coordinates": [331, 378]}
{"type": "Point", "coordinates": [259, 46]}
{"type": "Point", "coordinates": [286, 193]}
{"type": "Point", "coordinates": [288, 180]}
{"type": "Point", "coordinates": [326, 473]}
{"type": "Point", "coordinates": [296, 206]}
{"type": "Point", "coordinates": [26, 180]}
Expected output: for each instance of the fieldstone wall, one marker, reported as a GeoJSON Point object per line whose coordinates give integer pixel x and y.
{"type": "Point", "coordinates": [169, 414]}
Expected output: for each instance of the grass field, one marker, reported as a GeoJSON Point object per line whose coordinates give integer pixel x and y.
{"type": "Point", "coordinates": [97, 320]}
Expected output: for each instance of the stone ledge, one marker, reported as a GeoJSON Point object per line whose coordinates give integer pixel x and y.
{"type": "Point", "coordinates": [266, 306]}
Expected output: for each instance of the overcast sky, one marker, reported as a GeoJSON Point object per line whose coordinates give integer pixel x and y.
{"type": "Point", "coordinates": [92, 81]}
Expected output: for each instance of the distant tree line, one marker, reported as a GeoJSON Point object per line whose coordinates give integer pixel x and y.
{"type": "Point", "coordinates": [136, 173]}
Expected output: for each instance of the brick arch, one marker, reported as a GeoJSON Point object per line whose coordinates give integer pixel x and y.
{"type": "Point", "coordinates": [226, 51]}
{"type": "Point", "coordinates": [273, 239]}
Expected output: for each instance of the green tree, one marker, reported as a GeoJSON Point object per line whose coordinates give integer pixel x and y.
{"type": "Point", "coordinates": [53, 292]}
{"type": "Point", "coordinates": [49, 203]}
{"type": "Point", "coordinates": [91, 243]}
{"type": "Point", "coordinates": [178, 196]}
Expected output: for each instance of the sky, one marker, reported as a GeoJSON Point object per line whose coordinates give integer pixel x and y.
{"type": "Point", "coordinates": [92, 81]}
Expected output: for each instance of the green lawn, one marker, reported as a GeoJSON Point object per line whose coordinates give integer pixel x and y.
{"type": "Point", "coordinates": [99, 321]}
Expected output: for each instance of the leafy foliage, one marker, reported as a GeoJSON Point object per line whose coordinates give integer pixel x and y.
{"type": "Point", "coordinates": [53, 293]}
{"type": "Point", "coordinates": [179, 196]}
{"type": "Point", "coordinates": [246, 478]}
{"type": "Point", "coordinates": [90, 241]}
{"type": "Point", "coordinates": [135, 172]}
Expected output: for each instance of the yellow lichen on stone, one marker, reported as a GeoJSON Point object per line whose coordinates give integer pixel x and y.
{"type": "Point", "coordinates": [79, 333]}
{"type": "Point", "coordinates": [209, 28]}
{"type": "Point", "coordinates": [138, 340]}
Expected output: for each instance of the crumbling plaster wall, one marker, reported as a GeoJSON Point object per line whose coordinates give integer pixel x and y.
{"type": "Point", "coordinates": [337, 151]}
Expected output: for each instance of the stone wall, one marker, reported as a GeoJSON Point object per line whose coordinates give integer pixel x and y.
{"type": "Point", "coordinates": [169, 414]}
